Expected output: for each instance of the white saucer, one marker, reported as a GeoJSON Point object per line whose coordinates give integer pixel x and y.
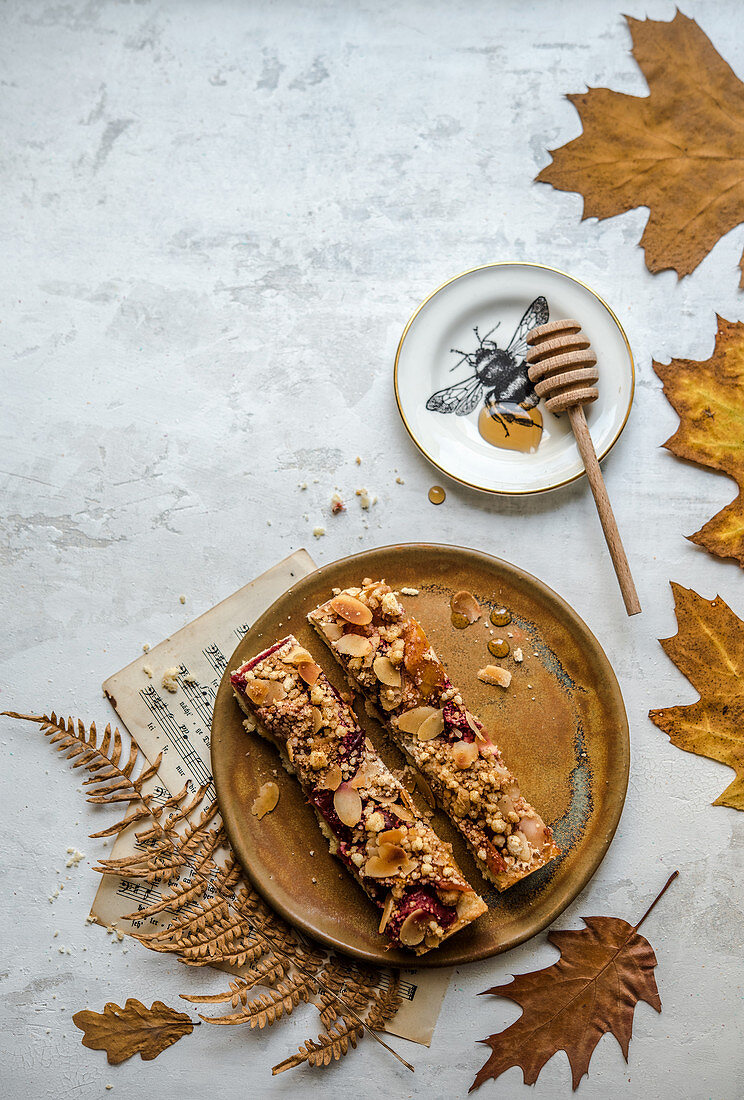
{"type": "Point", "coordinates": [501, 294]}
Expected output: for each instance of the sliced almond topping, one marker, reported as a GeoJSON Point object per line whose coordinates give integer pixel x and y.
{"type": "Point", "coordinates": [317, 719]}
{"type": "Point", "coordinates": [354, 645]}
{"type": "Point", "coordinates": [387, 910]}
{"type": "Point", "coordinates": [474, 726]}
{"type": "Point", "coordinates": [413, 928]}
{"type": "Point", "coordinates": [431, 726]}
{"type": "Point", "coordinates": [298, 656]}
{"type": "Point", "coordinates": [464, 753]}
{"type": "Point", "coordinates": [351, 609]}
{"type": "Point", "coordinates": [331, 780]}
{"type": "Point", "coordinates": [386, 672]}
{"type": "Point", "coordinates": [333, 631]}
{"type": "Point", "coordinates": [309, 671]}
{"type": "Point", "coordinates": [257, 690]}
{"type": "Point", "coordinates": [364, 776]}
{"type": "Point", "coordinates": [348, 805]}
{"type": "Point", "coordinates": [391, 836]}
{"type": "Point", "coordinates": [412, 719]}
{"type": "Point", "coordinates": [493, 674]}
{"type": "Point", "coordinates": [388, 860]}
{"type": "Point", "coordinates": [464, 603]}
{"type": "Point", "coordinates": [275, 693]}
{"type": "Point", "coordinates": [403, 813]}
{"type": "Point", "coordinates": [264, 803]}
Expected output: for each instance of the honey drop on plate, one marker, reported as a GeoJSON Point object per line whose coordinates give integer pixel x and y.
{"type": "Point", "coordinates": [522, 434]}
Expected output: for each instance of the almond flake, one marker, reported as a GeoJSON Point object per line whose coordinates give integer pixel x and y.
{"type": "Point", "coordinates": [386, 672]}
{"type": "Point", "coordinates": [431, 727]}
{"type": "Point", "coordinates": [268, 796]}
{"type": "Point", "coordinates": [351, 609]}
{"type": "Point", "coordinates": [493, 674]}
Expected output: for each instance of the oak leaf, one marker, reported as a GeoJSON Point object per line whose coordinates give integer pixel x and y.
{"type": "Point", "coordinates": [708, 649]}
{"type": "Point", "coordinates": [604, 970]}
{"type": "Point", "coordinates": [709, 400]}
{"type": "Point", "coordinates": [122, 1032]}
{"type": "Point", "coordinates": [677, 151]}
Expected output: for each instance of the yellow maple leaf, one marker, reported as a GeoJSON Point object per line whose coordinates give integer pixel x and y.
{"type": "Point", "coordinates": [709, 399]}
{"type": "Point", "coordinates": [678, 151]}
{"type": "Point", "coordinates": [708, 649]}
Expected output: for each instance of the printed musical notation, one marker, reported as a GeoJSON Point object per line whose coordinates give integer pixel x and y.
{"type": "Point", "coordinates": [182, 737]}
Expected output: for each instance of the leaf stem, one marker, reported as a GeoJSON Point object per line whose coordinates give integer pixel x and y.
{"type": "Point", "coordinates": [658, 897]}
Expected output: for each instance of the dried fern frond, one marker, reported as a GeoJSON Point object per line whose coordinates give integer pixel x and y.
{"type": "Point", "coordinates": [329, 1047]}
{"type": "Point", "coordinates": [267, 1008]}
{"type": "Point", "coordinates": [218, 918]}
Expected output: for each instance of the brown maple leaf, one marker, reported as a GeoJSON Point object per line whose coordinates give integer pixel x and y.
{"type": "Point", "coordinates": [604, 970]}
{"type": "Point", "coordinates": [122, 1032]}
{"type": "Point", "coordinates": [678, 151]}
{"type": "Point", "coordinates": [709, 650]}
{"type": "Point", "coordinates": [709, 399]}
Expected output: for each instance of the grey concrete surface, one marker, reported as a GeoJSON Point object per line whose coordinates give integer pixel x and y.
{"type": "Point", "coordinates": [216, 219]}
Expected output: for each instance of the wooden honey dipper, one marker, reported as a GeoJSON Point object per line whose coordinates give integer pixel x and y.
{"type": "Point", "coordinates": [563, 370]}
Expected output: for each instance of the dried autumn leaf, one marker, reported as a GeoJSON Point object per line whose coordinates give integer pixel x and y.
{"type": "Point", "coordinates": [134, 1029]}
{"type": "Point", "coordinates": [604, 970]}
{"type": "Point", "coordinates": [677, 151]}
{"type": "Point", "coordinates": [708, 649]}
{"type": "Point", "coordinates": [709, 399]}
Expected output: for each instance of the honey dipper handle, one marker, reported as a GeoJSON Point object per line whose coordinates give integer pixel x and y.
{"type": "Point", "coordinates": [606, 517]}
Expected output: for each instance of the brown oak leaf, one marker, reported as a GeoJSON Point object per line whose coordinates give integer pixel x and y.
{"type": "Point", "coordinates": [677, 151]}
{"type": "Point", "coordinates": [122, 1032]}
{"type": "Point", "coordinates": [604, 970]}
{"type": "Point", "coordinates": [709, 399]}
{"type": "Point", "coordinates": [708, 649]}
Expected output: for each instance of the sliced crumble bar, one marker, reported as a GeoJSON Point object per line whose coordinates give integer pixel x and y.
{"type": "Point", "coordinates": [369, 819]}
{"type": "Point", "coordinates": [388, 658]}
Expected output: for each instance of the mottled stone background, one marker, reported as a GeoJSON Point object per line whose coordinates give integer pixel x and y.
{"type": "Point", "coordinates": [217, 218]}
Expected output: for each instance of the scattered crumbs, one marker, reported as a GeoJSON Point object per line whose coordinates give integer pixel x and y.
{"type": "Point", "coordinates": [409, 591]}
{"type": "Point", "coordinates": [318, 531]}
{"type": "Point", "coordinates": [509, 634]}
{"type": "Point", "coordinates": [90, 919]}
{"type": "Point", "coordinates": [189, 679]}
{"type": "Point", "coordinates": [399, 481]}
{"type": "Point", "coordinates": [316, 480]}
{"type": "Point", "coordinates": [535, 654]}
{"type": "Point", "coordinates": [337, 504]}
{"type": "Point", "coordinates": [55, 934]}
{"type": "Point", "coordinates": [170, 679]}
{"type": "Point", "coordinates": [364, 498]}
{"type": "Point", "coordinates": [302, 484]}
{"type": "Point", "coordinates": [147, 671]}
{"type": "Point", "coordinates": [268, 523]}
{"type": "Point", "coordinates": [109, 1086]}
{"type": "Point", "coordinates": [119, 934]}
{"type": "Point", "coordinates": [182, 599]}
{"type": "Point", "coordinates": [518, 656]}
{"type": "Point", "coordinates": [145, 647]}
{"type": "Point", "coordinates": [75, 857]}
{"type": "Point", "coordinates": [358, 460]}
{"type": "Point", "coordinates": [312, 851]}
{"type": "Point", "coordinates": [314, 881]}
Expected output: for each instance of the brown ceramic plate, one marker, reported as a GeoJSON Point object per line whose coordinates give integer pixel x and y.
{"type": "Point", "coordinates": [561, 727]}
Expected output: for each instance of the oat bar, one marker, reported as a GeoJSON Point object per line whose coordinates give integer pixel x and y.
{"type": "Point", "coordinates": [388, 658]}
{"type": "Point", "coordinates": [369, 819]}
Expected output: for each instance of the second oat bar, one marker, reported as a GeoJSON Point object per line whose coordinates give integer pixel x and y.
{"type": "Point", "coordinates": [388, 658]}
{"type": "Point", "coordinates": [369, 819]}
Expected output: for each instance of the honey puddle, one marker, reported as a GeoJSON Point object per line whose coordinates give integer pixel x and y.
{"type": "Point", "coordinates": [521, 435]}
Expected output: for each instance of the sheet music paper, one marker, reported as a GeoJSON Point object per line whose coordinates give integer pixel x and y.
{"type": "Point", "coordinates": [178, 725]}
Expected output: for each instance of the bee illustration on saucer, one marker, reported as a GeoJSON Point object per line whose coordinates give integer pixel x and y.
{"type": "Point", "coordinates": [509, 417]}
